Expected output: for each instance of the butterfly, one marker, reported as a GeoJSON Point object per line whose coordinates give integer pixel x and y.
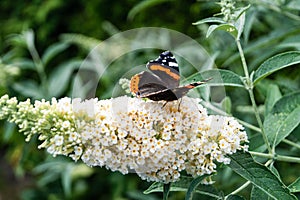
{"type": "Point", "coordinates": [162, 82]}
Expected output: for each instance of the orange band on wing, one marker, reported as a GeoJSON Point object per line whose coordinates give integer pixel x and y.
{"type": "Point", "coordinates": [164, 69]}
{"type": "Point", "coordinates": [134, 83]}
{"type": "Point", "coordinates": [190, 86]}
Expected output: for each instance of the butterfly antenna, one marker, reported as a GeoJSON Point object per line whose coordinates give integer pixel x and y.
{"type": "Point", "coordinates": [208, 79]}
{"type": "Point", "coordinates": [200, 82]}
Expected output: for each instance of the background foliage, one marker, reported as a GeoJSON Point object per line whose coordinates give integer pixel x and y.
{"type": "Point", "coordinates": [42, 44]}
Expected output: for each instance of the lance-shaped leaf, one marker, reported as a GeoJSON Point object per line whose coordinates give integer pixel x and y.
{"type": "Point", "coordinates": [276, 63]}
{"type": "Point", "coordinates": [283, 118]}
{"type": "Point", "coordinates": [258, 194]}
{"type": "Point", "coordinates": [295, 186]}
{"type": "Point", "coordinates": [184, 184]}
{"type": "Point", "coordinates": [224, 27]}
{"type": "Point", "coordinates": [210, 20]}
{"type": "Point", "coordinates": [273, 95]}
{"type": "Point", "coordinates": [260, 176]}
{"type": "Point", "coordinates": [218, 77]}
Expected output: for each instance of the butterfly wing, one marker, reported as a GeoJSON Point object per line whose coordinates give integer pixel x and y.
{"type": "Point", "coordinates": [146, 83]}
{"type": "Point", "coordinates": [163, 82]}
{"type": "Point", "coordinates": [166, 68]}
{"type": "Point", "coordinates": [183, 90]}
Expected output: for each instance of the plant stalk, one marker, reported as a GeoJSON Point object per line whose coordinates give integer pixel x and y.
{"type": "Point", "coordinates": [166, 191]}
{"type": "Point", "coordinates": [249, 87]}
{"type": "Point", "coordinates": [276, 157]}
{"type": "Point", "coordinates": [291, 143]}
{"type": "Point", "coordinates": [240, 188]}
{"type": "Point", "coordinates": [39, 66]}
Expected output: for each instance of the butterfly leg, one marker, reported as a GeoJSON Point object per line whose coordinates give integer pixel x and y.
{"type": "Point", "coordinates": [164, 104]}
{"type": "Point", "coordinates": [180, 100]}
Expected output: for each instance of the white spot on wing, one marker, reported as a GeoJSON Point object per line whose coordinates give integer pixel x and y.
{"type": "Point", "coordinates": [173, 64]}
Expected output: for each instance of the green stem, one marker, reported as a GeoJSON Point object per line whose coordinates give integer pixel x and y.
{"type": "Point", "coordinates": [269, 162]}
{"type": "Point", "coordinates": [243, 59]}
{"type": "Point", "coordinates": [247, 183]}
{"type": "Point", "coordinates": [259, 121]}
{"type": "Point", "coordinates": [213, 108]}
{"type": "Point", "coordinates": [291, 143]}
{"type": "Point", "coordinates": [39, 65]}
{"type": "Point", "coordinates": [166, 191]}
{"type": "Point", "coordinates": [208, 194]}
{"type": "Point", "coordinates": [250, 126]}
{"type": "Point", "coordinates": [276, 157]}
{"type": "Point", "coordinates": [239, 189]}
{"type": "Point", "coordinates": [249, 87]}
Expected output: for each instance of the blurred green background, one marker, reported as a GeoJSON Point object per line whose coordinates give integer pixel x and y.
{"type": "Point", "coordinates": [42, 44]}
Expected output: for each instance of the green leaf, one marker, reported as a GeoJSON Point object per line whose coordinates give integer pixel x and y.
{"type": "Point", "coordinates": [25, 64]}
{"type": "Point", "coordinates": [110, 28]}
{"type": "Point", "coordinates": [155, 187]}
{"type": "Point", "coordinates": [211, 29]}
{"type": "Point", "coordinates": [50, 170]}
{"type": "Point", "coordinates": [276, 63]}
{"type": "Point", "coordinates": [194, 184]}
{"type": "Point", "coordinates": [258, 194]}
{"type": "Point", "coordinates": [239, 24]}
{"type": "Point", "coordinates": [219, 77]}
{"type": "Point", "coordinates": [294, 4]}
{"type": "Point", "coordinates": [242, 11]}
{"type": "Point", "coordinates": [135, 194]}
{"type": "Point", "coordinates": [28, 37]}
{"type": "Point", "coordinates": [235, 29]}
{"type": "Point", "coordinates": [52, 51]}
{"type": "Point", "coordinates": [79, 89]}
{"type": "Point", "coordinates": [249, 21]}
{"type": "Point", "coordinates": [234, 197]}
{"type": "Point", "coordinates": [257, 143]}
{"type": "Point", "coordinates": [8, 132]}
{"type": "Point", "coordinates": [262, 46]}
{"type": "Point", "coordinates": [226, 104]}
{"type": "Point", "coordinates": [210, 20]}
{"type": "Point", "coordinates": [295, 186]}
{"type": "Point", "coordinates": [28, 88]}
{"type": "Point", "coordinates": [67, 179]}
{"type": "Point", "coordinates": [17, 40]}
{"type": "Point", "coordinates": [224, 27]}
{"type": "Point", "coordinates": [88, 43]}
{"type": "Point", "coordinates": [60, 77]}
{"type": "Point", "coordinates": [274, 170]}
{"type": "Point", "coordinates": [283, 119]}
{"type": "Point", "coordinates": [141, 6]}
{"type": "Point", "coordinates": [259, 175]}
{"type": "Point", "coordinates": [183, 185]}
{"type": "Point", "coordinates": [273, 94]}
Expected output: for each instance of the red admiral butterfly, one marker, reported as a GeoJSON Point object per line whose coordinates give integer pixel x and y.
{"type": "Point", "coordinates": [163, 82]}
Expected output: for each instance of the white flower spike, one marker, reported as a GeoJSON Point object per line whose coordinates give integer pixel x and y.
{"type": "Point", "coordinates": [131, 135]}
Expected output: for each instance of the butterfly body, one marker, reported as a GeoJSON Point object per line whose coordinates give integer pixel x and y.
{"type": "Point", "coordinates": [162, 82]}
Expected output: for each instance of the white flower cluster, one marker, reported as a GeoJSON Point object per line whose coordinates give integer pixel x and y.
{"type": "Point", "coordinates": [132, 135]}
{"type": "Point", "coordinates": [228, 9]}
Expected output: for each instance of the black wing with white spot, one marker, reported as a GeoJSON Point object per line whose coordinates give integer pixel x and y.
{"type": "Point", "coordinates": [167, 59]}
{"type": "Point", "coordinates": [166, 68]}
